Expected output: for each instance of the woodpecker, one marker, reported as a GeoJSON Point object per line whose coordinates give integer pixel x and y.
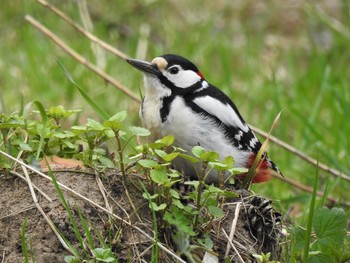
{"type": "Point", "coordinates": [179, 101]}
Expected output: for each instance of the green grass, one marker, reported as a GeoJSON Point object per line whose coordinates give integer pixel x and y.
{"type": "Point", "coordinates": [267, 57]}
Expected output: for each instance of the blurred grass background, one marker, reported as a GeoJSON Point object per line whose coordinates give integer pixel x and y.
{"type": "Point", "coordinates": [267, 56]}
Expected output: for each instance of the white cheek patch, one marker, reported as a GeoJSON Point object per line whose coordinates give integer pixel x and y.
{"type": "Point", "coordinates": [223, 112]}
{"type": "Point", "coordinates": [183, 79]}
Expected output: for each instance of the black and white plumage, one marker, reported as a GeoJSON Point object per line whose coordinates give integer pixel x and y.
{"type": "Point", "coordinates": [179, 101]}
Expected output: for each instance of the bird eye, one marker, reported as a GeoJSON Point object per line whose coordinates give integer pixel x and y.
{"type": "Point", "coordinates": [174, 70]}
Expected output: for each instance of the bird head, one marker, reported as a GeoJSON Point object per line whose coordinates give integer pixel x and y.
{"type": "Point", "coordinates": [168, 72]}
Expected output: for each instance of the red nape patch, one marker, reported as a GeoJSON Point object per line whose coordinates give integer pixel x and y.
{"type": "Point", "coordinates": [200, 74]}
{"type": "Point", "coordinates": [263, 174]}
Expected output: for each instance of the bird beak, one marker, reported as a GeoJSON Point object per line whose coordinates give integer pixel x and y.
{"type": "Point", "coordinates": [144, 66]}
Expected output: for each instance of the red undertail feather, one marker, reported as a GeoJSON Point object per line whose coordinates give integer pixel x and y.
{"type": "Point", "coordinates": [264, 170]}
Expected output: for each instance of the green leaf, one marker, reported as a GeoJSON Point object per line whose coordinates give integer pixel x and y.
{"type": "Point", "coordinates": [156, 207]}
{"type": "Point", "coordinates": [216, 211]}
{"type": "Point", "coordinates": [69, 144]}
{"type": "Point", "coordinates": [190, 158]}
{"type": "Point", "coordinates": [193, 183]}
{"type": "Point", "coordinates": [178, 203]}
{"type": "Point", "coordinates": [206, 242]}
{"type": "Point", "coordinates": [159, 176]}
{"type": "Point", "coordinates": [72, 259]}
{"type": "Point", "coordinates": [210, 156]}
{"type": "Point", "coordinates": [330, 226]}
{"type": "Point", "coordinates": [229, 161]}
{"type": "Point", "coordinates": [43, 126]}
{"type": "Point", "coordinates": [64, 134]}
{"type": "Point", "coordinates": [106, 161]}
{"type": "Point", "coordinates": [25, 147]}
{"type": "Point", "coordinates": [179, 218]}
{"type": "Point", "coordinates": [174, 193]}
{"type": "Point", "coordinates": [166, 157]}
{"type": "Point", "coordinates": [60, 112]}
{"type": "Point", "coordinates": [150, 197]}
{"type": "Point", "coordinates": [319, 257]}
{"type": "Point", "coordinates": [139, 131]}
{"type": "Point", "coordinates": [24, 244]}
{"type": "Point", "coordinates": [94, 125]}
{"type": "Point", "coordinates": [81, 128]}
{"type": "Point", "coordinates": [218, 166]}
{"type": "Point", "coordinates": [238, 170]}
{"type": "Point", "coordinates": [111, 134]}
{"type": "Point", "coordinates": [198, 151]}
{"type": "Point", "coordinates": [214, 189]}
{"type": "Point", "coordinates": [167, 140]}
{"type": "Point", "coordinates": [119, 116]}
{"type": "Point", "coordinates": [148, 163]}
{"type": "Point", "coordinates": [104, 255]}
{"type": "Point", "coordinates": [230, 194]}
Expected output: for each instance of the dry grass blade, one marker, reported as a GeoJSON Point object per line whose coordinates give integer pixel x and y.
{"type": "Point", "coordinates": [81, 59]}
{"type": "Point", "coordinates": [260, 157]}
{"type": "Point", "coordinates": [160, 245]}
{"type": "Point", "coordinates": [34, 186]}
{"type": "Point", "coordinates": [103, 191]}
{"type": "Point", "coordinates": [48, 220]}
{"type": "Point", "coordinates": [233, 246]}
{"type": "Point", "coordinates": [233, 228]}
{"type": "Point", "coordinates": [18, 212]}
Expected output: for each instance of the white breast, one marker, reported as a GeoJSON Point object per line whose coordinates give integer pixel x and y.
{"type": "Point", "coordinates": [152, 103]}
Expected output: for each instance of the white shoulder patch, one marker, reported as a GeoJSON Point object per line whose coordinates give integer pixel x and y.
{"type": "Point", "coordinates": [204, 86]}
{"type": "Point", "coordinates": [223, 112]}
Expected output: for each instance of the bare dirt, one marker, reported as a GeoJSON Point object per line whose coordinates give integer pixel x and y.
{"type": "Point", "coordinates": [17, 206]}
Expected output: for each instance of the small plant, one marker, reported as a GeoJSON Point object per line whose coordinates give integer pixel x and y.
{"type": "Point", "coordinates": [186, 216]}
{"type": "Point", "coordinates": [191, 213]}
{"type": "Point", "coordinates": [264, 258]}
{"type": "Point", "coordinates": [329, 241]}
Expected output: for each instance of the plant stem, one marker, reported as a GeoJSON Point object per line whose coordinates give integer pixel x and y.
{"type": "Point", "coordinates": [201, 177]}
{"type": "Point", "coordinates": [120, 153]}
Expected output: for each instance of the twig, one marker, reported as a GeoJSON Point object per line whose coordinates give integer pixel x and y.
{"type": "Point", "coordinates": [233, 229]}
{"type": "Point", "coordinates": [308, 189]}
{"type": "Point", "coordinates": [81, 30]}
{"type": "Point", "coordinates": [302, 155]}
{"type": "Point", "coordinates": [165, 249]}
{"type": "Point", "coordinates": [82, 60]}
{"type": "Point", "coordinates": [233, 246]}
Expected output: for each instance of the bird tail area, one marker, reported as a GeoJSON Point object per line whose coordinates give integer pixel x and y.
{"type": "Point", "coordinates": [265, 169]}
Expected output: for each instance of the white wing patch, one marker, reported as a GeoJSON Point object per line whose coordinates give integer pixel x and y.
{"type": "Point", "coordinates": [204, 86]}
{"type": "Point", "coordinates": [223, 112]}
{"type": "Point", "coordinates": [253, 142]}
{"type": "Point", "coordinates": [239, 135]}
